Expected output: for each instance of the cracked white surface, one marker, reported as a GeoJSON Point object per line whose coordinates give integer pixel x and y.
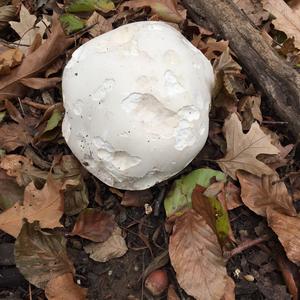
{"type": "Point", "coordinates": [137, 100]}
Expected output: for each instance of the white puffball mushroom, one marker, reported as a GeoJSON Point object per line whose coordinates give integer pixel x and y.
{"type": "Point", "coordinates": [137, 100]}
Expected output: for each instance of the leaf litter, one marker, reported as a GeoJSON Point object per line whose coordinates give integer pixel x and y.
{"type": "Point", "coordinates": [196, 203]}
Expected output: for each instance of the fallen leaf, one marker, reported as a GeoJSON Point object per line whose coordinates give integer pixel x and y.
{"type": "Point", "coordinates": [94, 225]}
{"type": "Point", "coordinates": [63, 287]}
{"type": "Point", "coordinates": [22, 169]}
{"type": "Point", "coordinates": [196, 257]}
{"type": "Point", "coordinates": [10, 191]}
{"type": "Point", "coordinates": [76, 6]}
{"type": "Point", "coordinates": [9, 59]}
{"type": "Point", "coordinates": [287, 229]}
{"type": "Point", "coordinates": [242, 149]}
{"type": "Point", "coordinates": [295, 5]}
{"type": "Point", "coordinates": [114, 246]}
{"type": "Point", "coordinates": [45, 205]}
{"type": "Point", "coordinates": [41, 256]}
{"type": "Point", "coordinates": [286, 20]}
{"type": "Point", "coordinates": [229, 293]}
{"type": "Point", "coordinates": [27, 28]}
{"type": "Point", "coordinates": [36, 62]}
{"type": "Point", "coordinates": [165, 9]}
{"type": "Point", "coordinates": [99, 24]}
{"type": "Point", "coordinates": [55, 67]}
{"type": "Point", "coordinates": [214, 214]}
{"type": "Point", "coordinates": [260, 193]}
{"type": "Point", "coordinates": [40, 83]}
{"type": "Point", "coordinates": [136, 198]}
{"type": "Point", "coordinates": [180, 195]}
{"type": "Point", "coordinates": [295, 184]}
{"type": "Point", "coordinates": [13, 136]}
{"type": "Point", "coordinates": [230, 195]}
{"type": "Point", "coordinates": [157, 263]}
{"type": "Point", "coordinates": [172, 295]}
{"type": "Point", "coordinates": [254, 10]}
{"type": "Point", "coordinates": [71, 23]}
{"type": "Point", "coordinates": [211, 48]}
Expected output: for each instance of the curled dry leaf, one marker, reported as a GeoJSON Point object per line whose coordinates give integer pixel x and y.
{"type": "Point", "coordinates": [9, 59]}
{"type": "Point", "coordinates": [63, 287]}
{"type": "Point", "coordinates": [22, 169]}
{"type": "Point", "coordinates": [260, 193]}
{"type": "Point", "coordinates": [99, 24]}
{"type": "Point", "coordinates": [40, 83]}
{"type": "Point", "coordinates": [136, 198]}
{"type": "Point", "coordinates": [196, 257]}
{"type": "Point", "coordinates": [41, 256]}
{"type": "Point", "coordinates": [230, 196]}
{"type": "Point", "coordinates": [36, 62]}
{"type": "Point", "coordinates": [287, 229]}
{"type": "Point", "coordinates": [114, 246]}
{"type": "Point", "coordinates": [27, 29]}
{"type": "Point", "coordinates": [45, 205]}
{"type": "Point", "coordinates": [94, 225]}
{"type": "Point", "coordinates": [242, 149]}
{"type": "Point", "coordinates": [286, 20]}
{"type": "Point", "coordinates": [166, 10]}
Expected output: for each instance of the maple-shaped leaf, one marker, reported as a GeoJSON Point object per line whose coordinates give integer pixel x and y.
{"type": "Point", "coordinates": [114, 247]}
{"type": "Point", "coordinates": [41, 256]}
{"type": "Point", "coordinates": [27, 28]}
{"type": "Point", "coordinates": [242, 149]}
{"type": "Point", "coordinates": [44, 205]}
{"type": "Point", "coordinates": [94, 225]}
{"type": "Point", "coordinates": [63, 287]}
{"type": "Point", "coordinates": [260, 193]}
{"type": "Point", "coordinates": [287, 228]}
{"type": "Point", "coordinates": [196, 257]}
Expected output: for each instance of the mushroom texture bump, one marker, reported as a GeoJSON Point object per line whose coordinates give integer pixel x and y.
{"type": "Point", "coordinates": [137, 100]}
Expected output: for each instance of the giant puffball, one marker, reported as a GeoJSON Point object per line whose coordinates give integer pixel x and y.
{"type": "Point", "coordinates": [136, 104]}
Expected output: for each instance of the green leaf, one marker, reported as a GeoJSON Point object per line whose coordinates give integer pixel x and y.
{"type": "Point", "coordinates": [54, 120]}
{"type": "Point", "coordinates": [41, 256]}
{"type": "Point", "coordinates": [180, 195]}
{"type": "Point", "coordinates": [77, 6]}
{"type": "Point", "coordinates": [71, 23]}
{"type": "Point", "coordinates": [2, 115]}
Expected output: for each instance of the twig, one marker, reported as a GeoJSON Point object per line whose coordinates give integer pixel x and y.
{"type": "Point", "coordinates": [248, 244]}
{"type": "Point", "coordinates": [35, 104]}
{"type": "Point", "coordinates": [30, 293]}
{"type": "Point", "coordinates": [158, 201]}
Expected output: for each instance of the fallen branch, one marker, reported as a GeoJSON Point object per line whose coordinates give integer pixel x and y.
{"type": "Point", "coordinates": [268, 71]}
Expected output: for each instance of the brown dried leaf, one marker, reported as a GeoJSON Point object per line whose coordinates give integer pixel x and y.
{"type": "Point", "coordinates": [295, 5]}
{"type": "Point", "coordinates": [254, 10]}
{"type": "Point", "coordinates": [94, 225]}
{"type": "Point", "coordinates": [55, 67]}
{"type": "Point", "coordinates": [287, 229]}
{"type": "Point", "coordinates": [114, 247]}
{"type": "Point", "coordinates": [286, 20]}
{"type": "Point", "coordinates": [7, 13]}
{"type": "Point", "coordinates": [9, 59]}
{"type": "Point", "coordinates": [230, 196]}
{"type": "Point", "coordinates": [35, 63]}
{"type": "Point", "coordinates": [22, 168]}
{"type": "Point", "coordinates": [242, 149]}
{"type": "Point", "coordinates": [295, 184]}
{"type": "Point", "coordinates": [44, 205]}
{"type": "Point", "coordinates": [136, 198]}
{"type": "Point", "coordinates": [63, 287]}
{"type": "Point", "coordinates": [260, 193]}
{"type": "Point", "coordinates": [40, 83]}
{"type": "Point", "coordinates": [41, 256]}
{"type": "Point", "coordinates": [197, 257]}
{"type": "Point", "coordinates": [172, 295]}
{"type": "Point", "coordinates": [13, 136]}
{"type": "Point", "coordinates": [100, 24]}
{"type": "Point", "coordinates": [166, 9]}
{"type": "Point", "coordinates": [229, 290]}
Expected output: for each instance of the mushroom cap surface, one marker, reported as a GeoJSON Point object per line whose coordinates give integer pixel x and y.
{"type": "Point", "coordinates": [136, 104]}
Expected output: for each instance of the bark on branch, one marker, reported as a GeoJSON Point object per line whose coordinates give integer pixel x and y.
{"type": "Point", "coordinates": [269, 72]}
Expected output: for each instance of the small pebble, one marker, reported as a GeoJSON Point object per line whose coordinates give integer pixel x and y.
{"type": "Point", "coordinates": [249, 277]}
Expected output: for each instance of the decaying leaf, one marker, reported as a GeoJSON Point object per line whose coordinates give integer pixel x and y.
{"type": "Point", "coordinates": [242, 149]}
{"type": "Point", "coordinates": [63, 287]}
{"type": "Point", "coordinates": [44, 205]}
{"type": "Point", "coordinates": [165, 9]}
{"type": "Point", "coordinates": [287, 229]}
{"type": "Point", "coordinates": [99, 24]}
{"type": "Point", "coordinates": [9, 59]}
{"type": "Point", "coordinates": [229, 293]}
{"type": "Point", "coordinates": [114, 246]}
{"type": "Point", "coordinates": [27, 28]}
{"type": "Point", "coordinates": [196, 257]}
{"type": "Point", "coordinates": [36, 62]}
{"type": "Point", "coordinates": [260, 193]}
{"type": "Point", "coordinates": [94, 225]}
{"type": "Point", "coordinates": [230, 196]}
{"type": "Point", "coordinates": [10, 191]}
{"type": "Point", "coordinates": [286, 20]}
{"type": "Point", "coordinates": [136, 198]}
{"type": "Point", "coordinates": [76, 6]}
{"type": "Point", "coordinates": [41, 256]}
{"type": "Point", "coordinates": [180, 195]}
{"type": "Point", "coordinates": [22, 169]}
